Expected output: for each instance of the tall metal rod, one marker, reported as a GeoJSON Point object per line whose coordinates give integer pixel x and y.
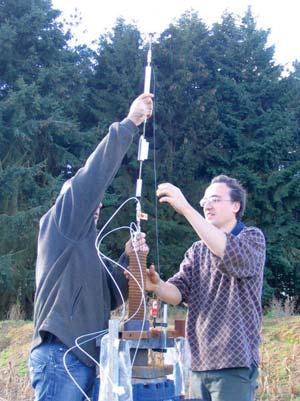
{"type": "Point", "coordinates": [143, 144]}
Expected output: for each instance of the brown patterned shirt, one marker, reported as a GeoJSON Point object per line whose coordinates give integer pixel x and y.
{"type": "Point", "coordinates": [224, 301]}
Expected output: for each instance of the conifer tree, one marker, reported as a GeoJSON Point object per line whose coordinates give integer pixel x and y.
{"type": "Point", "coordinates": [41, 92]}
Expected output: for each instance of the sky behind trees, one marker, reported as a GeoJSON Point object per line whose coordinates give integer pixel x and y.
{"type": "Point", "coordinates": [155, 16]}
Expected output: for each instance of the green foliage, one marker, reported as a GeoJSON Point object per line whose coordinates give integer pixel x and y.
{"type": "Point", "coordinates": [42, 93]}
{"type": "Point", "coordinates": [222, 107]}
{"type": "Point", "coordinates": [117, 75]}
{"type": "Point", "coordinates": [30, 39]}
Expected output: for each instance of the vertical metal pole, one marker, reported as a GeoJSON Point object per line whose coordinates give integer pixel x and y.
{"type": "Point", "coordinates": [164, 328]}
{"type": "Point", "coordinates": [143, 144]}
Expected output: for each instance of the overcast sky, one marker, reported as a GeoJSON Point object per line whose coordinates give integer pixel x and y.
{"type": "Point", "coordinates": [98, 16]}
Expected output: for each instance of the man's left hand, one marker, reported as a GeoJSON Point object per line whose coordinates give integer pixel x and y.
{"type": "Point", "coordinates": [172, 195]}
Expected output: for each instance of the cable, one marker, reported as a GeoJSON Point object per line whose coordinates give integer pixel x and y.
{"type": "Point", "coordinates": [98, 242]}
{"type": "Point", "coordinates": [155, 179]}
{"type": "Point", "coordinates": [141, 287]}
{"type": "Point", "coordinates": [78, 345]}
{"type": "Point", "coordinates": [96, 334]}
{"type": "Point", "coordinates": [132, 229]}
{"type": "Point", "coordinates": [143, 154]}
{"type": "Point", "coordinates": [102, 256]}
{"type": "Point", "coordinates": [102, 332]}
{"type": "Point", "coordinates": [116, 212]}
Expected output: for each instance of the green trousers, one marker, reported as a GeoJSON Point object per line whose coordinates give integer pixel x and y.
{"type": "Point", "coordinates": [234, 384]}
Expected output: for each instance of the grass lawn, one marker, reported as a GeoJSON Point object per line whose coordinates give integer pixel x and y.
{"type": "Point", "coordinates": [280, 360]}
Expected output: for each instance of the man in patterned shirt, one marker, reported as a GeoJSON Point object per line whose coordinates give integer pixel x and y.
{"type": "Point", "coordinates": [220, 279]}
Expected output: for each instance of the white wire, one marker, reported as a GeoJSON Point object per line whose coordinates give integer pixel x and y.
{"type": "Point", "coordinates": [141, 287]}
{"type": "Point", "coordinates": [143, 299]}
{"type": "Point", "coordinates": [95, 334]}
{"type": "Point", "coordinates": [93, 359]}
{"type": "Point", "coordinates": [98, 242]}
{"type": "Point", "coordinates": [116, 212]}
{"type": "Point", "coordinates": [102, 256]}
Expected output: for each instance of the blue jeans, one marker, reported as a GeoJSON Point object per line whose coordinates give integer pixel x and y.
{"type": "Point", "coordinates": [49, 378]}
{"type": "Point", "coordinates": [236, 384]}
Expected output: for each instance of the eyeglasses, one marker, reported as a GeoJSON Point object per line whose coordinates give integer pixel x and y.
{"type": "Point", "coordinates": [213, 200]}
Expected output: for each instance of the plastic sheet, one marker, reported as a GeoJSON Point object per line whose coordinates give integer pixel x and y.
{"type": "Point", "coordinates": [116, 374]}
{"type": "Point", "coordinates": [180, 358]}
{"type": "Point", "coordinates": [123, 388]}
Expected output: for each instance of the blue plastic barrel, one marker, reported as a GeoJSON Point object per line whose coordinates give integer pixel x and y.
{"type": "Point", "coordinates": [154, 391]}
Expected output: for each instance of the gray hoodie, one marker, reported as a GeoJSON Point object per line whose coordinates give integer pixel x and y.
{"type": "Point", "coordinates": [74, 294]}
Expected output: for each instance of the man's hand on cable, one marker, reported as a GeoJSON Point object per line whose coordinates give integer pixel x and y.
{"type": "Point", "coordinates": [137, 244]}
{"type": "Point", "coordinates": [172, 195]}
{"type": "Point", "coordinates": [141, 108]}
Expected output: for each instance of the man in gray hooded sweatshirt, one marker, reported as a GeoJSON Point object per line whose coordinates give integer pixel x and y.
{"type": "Point", "coordinates": [74, 293]}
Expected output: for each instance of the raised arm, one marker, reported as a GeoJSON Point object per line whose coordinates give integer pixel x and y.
{"type": "Point", "coordinates": [212, 236]}
{"type": "Point", "coordinates": [74, 209]}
